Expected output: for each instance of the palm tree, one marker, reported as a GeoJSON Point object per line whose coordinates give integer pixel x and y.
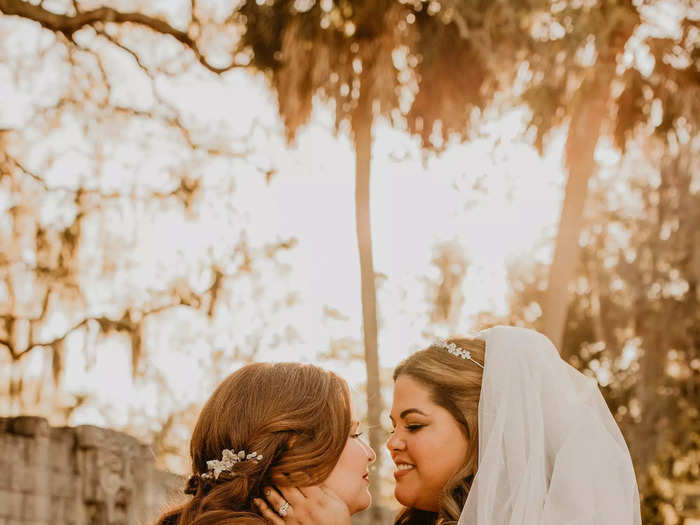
{"type": "Point", "coordinates": [363, 58]}
{"type": "Point", "coordinates": [583, 76]}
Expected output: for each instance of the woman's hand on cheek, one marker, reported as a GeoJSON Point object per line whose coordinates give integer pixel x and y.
{"type": "Point", "coordinates": [316, 505]}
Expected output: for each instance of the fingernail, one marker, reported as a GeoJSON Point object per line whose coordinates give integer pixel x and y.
{"type": "Point", "coordinates": [256, 501]}
{"type": "Point", "coordinates": [267, 491]}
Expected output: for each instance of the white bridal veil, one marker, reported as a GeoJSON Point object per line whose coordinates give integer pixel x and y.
{"type": "Point", "coordinates": [550, 452]}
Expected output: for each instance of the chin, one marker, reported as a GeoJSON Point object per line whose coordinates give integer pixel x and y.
{"type": "Point", "coordinates": [413, 501]}
{"type": "Point", "coordinates": [364, 504]}
{"type": "Point", "coordinates": [407, 500]}
{"type": "Point", "coordinates": [360, 503]}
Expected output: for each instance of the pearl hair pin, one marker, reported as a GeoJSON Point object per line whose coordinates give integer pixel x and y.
{"type": "Point", "coordinates": [228, 459]}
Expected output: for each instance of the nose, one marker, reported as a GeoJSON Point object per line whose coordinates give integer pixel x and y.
{"type": "Point", "coordinates": [395, 443]}
{"type": "Point", "coordinates": [371, 454]}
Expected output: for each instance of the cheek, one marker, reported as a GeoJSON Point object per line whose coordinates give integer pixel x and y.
{"type": "Point", "coordinates": [441, 469]}
{"type": "Point", "coordinates": [438, 458]}
{"type": "Point", "coordinates": [425, 446]}
{"type": "Point", "coordinates": [346, 478]}
{"type": "Point", "coordinates": [348, 468]}
{"type": "Point", "coordinates": [336, 482]}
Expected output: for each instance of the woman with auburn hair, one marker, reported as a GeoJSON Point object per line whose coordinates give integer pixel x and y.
{"type": "Point", "coordinates": [284, 425]}
{"type": "Point", "coordinates": [499, 430]}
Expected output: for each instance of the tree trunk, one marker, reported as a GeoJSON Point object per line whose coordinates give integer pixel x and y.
{"type": "Point", "coordinates": [586, 122]}
{"type": "Point", "coordinates": [362, 127]}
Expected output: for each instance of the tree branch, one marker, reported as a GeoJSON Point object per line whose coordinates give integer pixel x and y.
{"type": "Point", "coordinates": [106, 325]}
{"type": "Point", "coordinates": [24, 170]}
{"type": "Point", "coordinates": [70, 24]}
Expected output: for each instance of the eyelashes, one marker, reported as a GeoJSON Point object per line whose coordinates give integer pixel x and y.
{"type": "Point", "coordinates": [411, 428]}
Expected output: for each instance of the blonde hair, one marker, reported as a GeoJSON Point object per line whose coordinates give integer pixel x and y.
{"type": "Point", "coordinates": [454, 384]}
{"type": "Point", "coordinates": [297, 416]}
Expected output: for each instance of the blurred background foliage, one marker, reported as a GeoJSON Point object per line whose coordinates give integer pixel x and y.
{"type": "Point", "coordinates": [633, 323]}
{"type": "Point", "coordinates": [134, 238]}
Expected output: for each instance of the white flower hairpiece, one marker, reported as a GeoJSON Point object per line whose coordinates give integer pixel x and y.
{"type": "Point", "coordinates": [457, 351]}
{"type": "Point", "coordinates": [228, 459]}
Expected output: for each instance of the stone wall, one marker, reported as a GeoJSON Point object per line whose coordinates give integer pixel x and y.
{"type": "Point", "coordinates": [78, 476]}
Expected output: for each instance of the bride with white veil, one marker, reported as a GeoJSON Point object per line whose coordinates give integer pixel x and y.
{"type": "Point", "coordinates": [550, 451]}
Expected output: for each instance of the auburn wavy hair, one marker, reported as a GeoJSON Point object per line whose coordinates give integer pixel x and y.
{"type": "Point", "coordinates": [296, 415]}
{"type": "Point", "coordinates": [454, 384]}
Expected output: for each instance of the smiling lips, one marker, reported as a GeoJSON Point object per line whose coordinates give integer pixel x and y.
{"type": "Point", "coordinates": [402, 469]}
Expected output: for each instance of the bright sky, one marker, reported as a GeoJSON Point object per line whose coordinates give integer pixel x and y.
{"type": "Point", "coordinates": [493, 198]}
{"type": "Point", "coordinates": [415, 206]}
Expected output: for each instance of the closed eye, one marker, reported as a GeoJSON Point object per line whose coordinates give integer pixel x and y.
{"type": "Point", "coordinates": [410, 428]}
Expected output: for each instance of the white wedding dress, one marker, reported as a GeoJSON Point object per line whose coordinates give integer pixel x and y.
{"type": "Point", "coordinates": [550, 452]}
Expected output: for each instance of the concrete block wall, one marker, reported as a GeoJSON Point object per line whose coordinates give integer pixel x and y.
{"type": "Point", "coordinates": [78, 476]}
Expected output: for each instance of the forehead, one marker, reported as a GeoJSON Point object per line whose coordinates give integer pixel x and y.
{"type": "Point", "coordinates": [411, 393]}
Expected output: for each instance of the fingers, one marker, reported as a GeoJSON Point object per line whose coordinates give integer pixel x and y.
{"type": "Point", "coordinates": [311, 505]}
{"type": "Point", "coordinates": [293, 495]}
{"type": "Point", "coordinates": [299, 506]}
{"type": "Point", "coordinates": [276, 500]}
{"type": "Point", "coordinates": [270, 515]}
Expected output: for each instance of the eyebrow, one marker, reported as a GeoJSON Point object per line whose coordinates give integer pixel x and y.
{"type": "Point", "coordinates": [409, 411]}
